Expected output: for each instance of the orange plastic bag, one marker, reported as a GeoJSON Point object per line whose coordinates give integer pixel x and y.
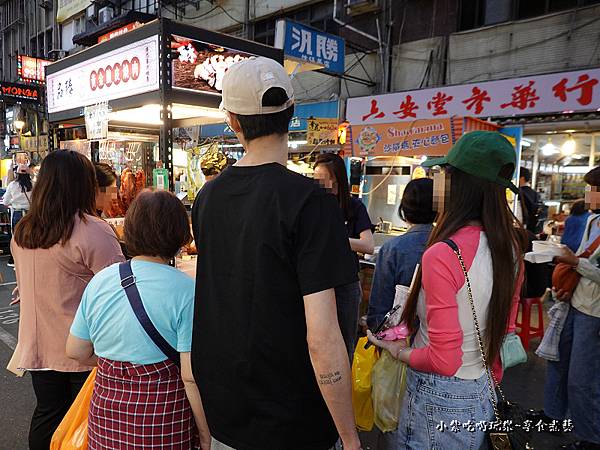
{"type": "Point", "coordinates": [362, 366]}
{"type": "Point", "coordinates": [72, 434]}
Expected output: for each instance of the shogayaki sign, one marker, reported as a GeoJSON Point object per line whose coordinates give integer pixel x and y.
{"type": "Point", "coordinates": [126, 71]}
{"type": "Point", "coordinates": [539, 94]}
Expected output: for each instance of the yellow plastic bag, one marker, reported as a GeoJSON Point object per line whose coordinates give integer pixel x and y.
{"type": "Point", "coordinates": [389, 385]}
{"type": "Point", "coordinates": [72, 434]}
{"type": "Point", "coordinates": [361, 385]}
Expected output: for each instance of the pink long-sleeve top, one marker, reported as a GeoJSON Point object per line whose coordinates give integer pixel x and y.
{"type": "Point", "coordinates": [446, 342]}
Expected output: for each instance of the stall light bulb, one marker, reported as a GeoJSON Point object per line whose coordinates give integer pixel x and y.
{"type": "Point", "coordinates": [548, 149]}
{"type": "Point", "coordinates": [568, 148]}
{"type": "Point", "coordinates": [19, 124]}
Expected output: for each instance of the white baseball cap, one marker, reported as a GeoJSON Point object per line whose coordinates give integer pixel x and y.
{"type": "Point", "coordinates": [245, 83]}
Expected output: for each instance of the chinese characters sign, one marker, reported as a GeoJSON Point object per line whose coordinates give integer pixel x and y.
{"type": "Point", "coordinates": [31, 70]}
{"type": "Point", "coordinates": [118, 32]}
{"type": "Point", "coordinates": [322, 132]}
{"type": "Point", "coordinates": [123, 72]}
{"type": "Point", "coordinates": [307, 44]}
{"type": "Point", "coordinates": [96, 121]}
{"type": "Point", "coordinates": [19, 92]}
{"type": "Point", "coordinates": [426, 137]}
{"type": "Point", "coordinates": [558, 92]}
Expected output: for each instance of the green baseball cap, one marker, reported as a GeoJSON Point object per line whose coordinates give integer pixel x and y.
{"type": "Point", "coordinates": [481, 154]}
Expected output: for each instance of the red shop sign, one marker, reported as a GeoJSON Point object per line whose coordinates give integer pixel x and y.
{"type": "Point", "coordinates": [19, 91]}
{"type": "Point", "coordinates": [537, 94]}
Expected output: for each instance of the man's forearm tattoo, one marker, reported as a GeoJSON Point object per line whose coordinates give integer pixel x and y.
{"type": "Point", "coordinates": [330, 378]}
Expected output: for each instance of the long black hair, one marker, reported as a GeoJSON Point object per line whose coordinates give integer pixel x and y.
{"type": "Point", "coordinates": [475, 199]}
{"type": "Point", "coordinates": [337, 170]}
{"type": "Point", "coordinates": [24, 180]}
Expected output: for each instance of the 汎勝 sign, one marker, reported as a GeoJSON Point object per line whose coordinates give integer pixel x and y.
{"type": "Point", "coordinates": [539, 94]}
{"type": "Point", "coordinates": [123, 72]}
{"type": "Point", "coordinates": [306, 44]}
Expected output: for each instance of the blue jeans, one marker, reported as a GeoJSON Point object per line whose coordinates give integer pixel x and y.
{"type": "Point", "coordinates": [15, 216]}
{"type": "Point", "coordinates": [347, 300]}
{"type": "Point", "coordinates": [573, 384]}
{"type": "Point", "coordinates": [434, 403]}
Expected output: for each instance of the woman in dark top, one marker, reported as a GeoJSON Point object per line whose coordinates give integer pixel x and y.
{"type": "Point", "coordinates": [330, 170]}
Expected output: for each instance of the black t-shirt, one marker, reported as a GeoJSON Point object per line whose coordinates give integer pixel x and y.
{"type": "Point", "coordinates": [265, 236]}
{"type": "Point", "coordinates": [358, 222]}
{"type": "Point", "coordinates": [531, 200]}
{"type": "Point", "coordinates": [359, 219]}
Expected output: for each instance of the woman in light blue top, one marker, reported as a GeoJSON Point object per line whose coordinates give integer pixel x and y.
{"type": "Point", "coordinates": [141, 397]}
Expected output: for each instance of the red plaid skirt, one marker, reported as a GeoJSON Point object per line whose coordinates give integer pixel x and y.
{"type": "Point", "coordinates": [140, 407]}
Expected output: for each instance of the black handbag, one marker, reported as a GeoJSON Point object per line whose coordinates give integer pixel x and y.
{"type": "Point", "coordinates": [507, 431]}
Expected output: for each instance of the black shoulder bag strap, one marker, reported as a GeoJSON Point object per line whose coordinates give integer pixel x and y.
{"type": "Point", "coordinates": [133, 295]}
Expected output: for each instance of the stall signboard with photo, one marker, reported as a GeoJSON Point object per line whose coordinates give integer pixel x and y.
{"type": "Point", "coordinates": [123, 72]}
{"type": "Point", "coordinates": [322, 132]}
{"type": "Point", "coordinates": [423, 137]}
{"type": "Point", "coordinates": [200, 66]}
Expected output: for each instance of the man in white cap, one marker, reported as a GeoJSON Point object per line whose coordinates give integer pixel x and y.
{"type": "Point", "coordinates": [267, 351]}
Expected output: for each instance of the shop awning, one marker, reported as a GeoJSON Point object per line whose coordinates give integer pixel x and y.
{"type": "Point", "coordinates": [90, 36]}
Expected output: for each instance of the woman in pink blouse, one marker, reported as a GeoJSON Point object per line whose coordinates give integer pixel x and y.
{"type": "Point", "coordinates": [58, 247]}
{"type": "Point", "coordinates": [447, 384]}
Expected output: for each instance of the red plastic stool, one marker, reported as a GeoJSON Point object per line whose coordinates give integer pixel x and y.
{"type": "Point", "coordinates": [526, 330]}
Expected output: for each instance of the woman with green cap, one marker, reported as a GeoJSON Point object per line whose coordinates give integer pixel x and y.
{"type": "Point", "coordinates": [448, 387]}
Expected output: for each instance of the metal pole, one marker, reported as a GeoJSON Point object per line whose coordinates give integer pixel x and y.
{"type": "Point", "coordinates": [592, 162]}
{"type": "Point", "coordinates": [536, 164]}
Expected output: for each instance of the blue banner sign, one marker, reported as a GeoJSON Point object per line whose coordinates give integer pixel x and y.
{"type": "Point", "coordinates": [304, 43]}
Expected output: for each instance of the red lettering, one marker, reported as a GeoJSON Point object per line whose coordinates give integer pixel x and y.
{"type": "Point", "coordinates": [476, 100]}
{"type": "Point", "coordinates": [438, 103]}
{"type": "Point", "coordinates": [109, 76]}
{"type": "Point", "coordinates": [101, 78]}
{"type": "Point", "coordinates": [125, 71]}
{"type": "Point", "coordinates": [374, 111]}
{"type": "Point", "coordinates": [135, 68]}
{"type": "Point", "coordinates": [523, 97]}
{"type": "Point", "coordinates": [584, 84]}
{"type": "Point", "coordinates": [407, 108]}
{"type": "Point", "coordinates": [93, 80]}
{"type": "Point", "coordinates": [117, 73]}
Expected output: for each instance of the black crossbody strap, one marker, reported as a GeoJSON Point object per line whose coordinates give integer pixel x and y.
{"type": "Point", "coordinates": [133, 295]}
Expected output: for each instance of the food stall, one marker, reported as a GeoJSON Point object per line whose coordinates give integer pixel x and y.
{"type": "Point", "coordinates": [389, 156]}
{"type": "Point", "coordinates": [135, 100]}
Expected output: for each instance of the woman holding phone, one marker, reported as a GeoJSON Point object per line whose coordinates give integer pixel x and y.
{"type": "Point", "coordinates": [447, 379]}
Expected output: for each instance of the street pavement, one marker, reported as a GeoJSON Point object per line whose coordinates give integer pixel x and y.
{"type": "Point", "coordinates": [523, 384]}
{"type": "Point", "coordinates": [16, 394]}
